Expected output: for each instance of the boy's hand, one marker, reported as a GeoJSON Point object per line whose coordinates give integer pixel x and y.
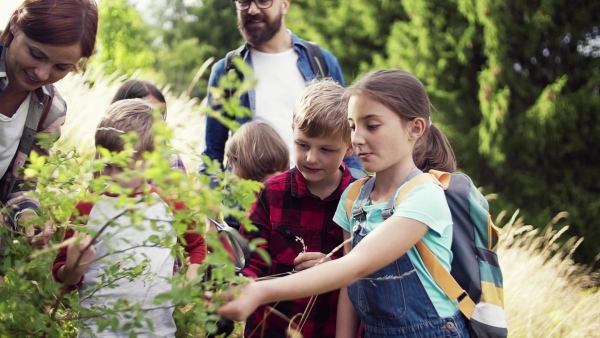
{"type": "Point", "coordinates": [76, 249]}
{"type": "Point", "coordinates": [307, 260]}
{"type": "Point", "coordinates": [192, 271]}
{"type": "Point", "coordinates": [70, 273]}
{"type": "Point", "coordinates": [40, 240]}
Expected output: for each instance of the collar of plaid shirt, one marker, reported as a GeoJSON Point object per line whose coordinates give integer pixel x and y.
{"type": "Point", "coordinates": [300, 189]}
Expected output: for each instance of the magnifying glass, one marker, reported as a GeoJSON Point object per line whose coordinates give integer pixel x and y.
{"type": "Point", "coordinates": [236, 246]}
{"type": "Point", "coordinates": [239, 253]}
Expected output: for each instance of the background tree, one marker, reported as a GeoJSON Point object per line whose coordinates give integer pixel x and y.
{"type": "Point", "coordinates": [191, 33]}
{"type": "Point", "coordinates": [517, 92]}
{"type": "Point", "coordinates": [124, 39]}
{"type": "Point", "coordinates": [354, 31]}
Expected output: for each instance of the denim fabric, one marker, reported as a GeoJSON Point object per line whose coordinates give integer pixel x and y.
{"type": "Point", "coordinates": [393, 306]}
{"type": "Point", "coordinates": [216, 134]}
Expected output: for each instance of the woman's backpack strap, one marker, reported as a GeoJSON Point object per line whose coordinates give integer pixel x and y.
{"type": "Point", "coordinates": [47, 106]}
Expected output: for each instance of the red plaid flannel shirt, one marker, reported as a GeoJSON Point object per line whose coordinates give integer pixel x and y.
{"type": "Point", "coordinates": [284, 212]}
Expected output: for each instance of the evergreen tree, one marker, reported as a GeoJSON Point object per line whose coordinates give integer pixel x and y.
{"type": "Point", "coordinates": [515, 84]}
{"type": "Point", "coordinates": [124, 39]}
{"type": "Point", "coordinates": [354, 31]}
{"type": "Point", "coordinates": [191, 33]}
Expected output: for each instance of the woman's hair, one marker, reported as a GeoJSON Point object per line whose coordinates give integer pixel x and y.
{"type": "Point", "coordinates": [139, 89]}
{"type": "Point", "coordinates": [257, 151]}
{"type": "Point", "coordinates": [56, 23]}
{"type": "Point", "coordinates": [322, 109]}
{"type": "Point", "coordinates": [404, 94]}
{"type": "Point", "coordinates": [123, 117]}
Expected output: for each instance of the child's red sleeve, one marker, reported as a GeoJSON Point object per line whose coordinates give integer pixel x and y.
{"type": "Point", "coordinates": [61, 256]}
{"type": "Point", "coordinates": [84, 209]}
{"type": "Point", "coordinates": [195, 245]}
{"type": "Point", "coordinates": [260, 217]}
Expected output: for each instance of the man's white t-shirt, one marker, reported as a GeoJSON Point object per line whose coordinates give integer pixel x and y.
{"type": "Point", "coordinates": [11, 129]}
{"type": "Point", "coordinates": [279, 86]}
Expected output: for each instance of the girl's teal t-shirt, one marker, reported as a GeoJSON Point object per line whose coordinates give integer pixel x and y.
{"type": "Point", "coordinates": [427, 204]}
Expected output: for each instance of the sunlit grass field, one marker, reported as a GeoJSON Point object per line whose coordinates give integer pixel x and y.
{"type": "Point", "coordinates": [546, 294]}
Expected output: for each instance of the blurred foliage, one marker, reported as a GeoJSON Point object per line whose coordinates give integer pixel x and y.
{"type": "Point", "coordinates": [34, 305]}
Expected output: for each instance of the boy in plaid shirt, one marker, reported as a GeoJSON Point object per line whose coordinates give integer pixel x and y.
{"type": "Point", "coordinates": [294, 213]}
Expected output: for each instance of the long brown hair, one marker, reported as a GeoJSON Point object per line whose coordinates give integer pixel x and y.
{"type": "Point", "coordinates": [402, 93]}
{"type": "Point", "coordinates": [139, 89]}
{"type": "Point", "coordinates": [56, 22]}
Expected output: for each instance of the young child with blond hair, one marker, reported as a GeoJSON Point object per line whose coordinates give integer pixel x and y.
{"type": "Point", "coordinates": [132, 228]}
{"type": "Point", "coordinates": [294, 213]}
{"type": "Point", "coordinates": [257, 152]}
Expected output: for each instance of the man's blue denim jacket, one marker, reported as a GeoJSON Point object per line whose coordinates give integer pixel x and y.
{"type": "Point", "coordinates": [216, 134]}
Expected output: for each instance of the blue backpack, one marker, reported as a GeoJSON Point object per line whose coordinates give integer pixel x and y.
{"type": "Point", "coordinates": [474, 283]}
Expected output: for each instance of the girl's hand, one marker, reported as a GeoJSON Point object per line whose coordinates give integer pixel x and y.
{"type": "Point", "coordinates": [240, 303]}
{"type": "Point", "coordinates": [307, 260]}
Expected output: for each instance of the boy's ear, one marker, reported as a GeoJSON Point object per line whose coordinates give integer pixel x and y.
{"type": "Point", "coordinates": [416, 128]}
{"type": "Point", "coordinates": [349, 151]}
{"type": "Point", "coordinates": [142, 164]}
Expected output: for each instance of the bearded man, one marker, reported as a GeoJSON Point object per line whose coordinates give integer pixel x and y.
{"type": "Point", "coordinates": [281, 65]}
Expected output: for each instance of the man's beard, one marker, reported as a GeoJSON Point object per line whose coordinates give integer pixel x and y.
{"type": "Point", "coordinates": [257, 36]}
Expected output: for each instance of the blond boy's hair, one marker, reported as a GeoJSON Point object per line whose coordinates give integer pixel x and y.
{"type": "Point", "coordinates": [323, 110]}
{"type": "Point", "coordinates": [123, 117]}
{"type": "Point", "coordinates": [257, 151]}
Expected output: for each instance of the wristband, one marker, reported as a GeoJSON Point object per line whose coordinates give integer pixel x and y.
{"type": "Point", "coordinates": [18, 213]}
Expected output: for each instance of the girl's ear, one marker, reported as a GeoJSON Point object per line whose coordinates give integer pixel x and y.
{"type": "Point", "coordinates": [417, 127]}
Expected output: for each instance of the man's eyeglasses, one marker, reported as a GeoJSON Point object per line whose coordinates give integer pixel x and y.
{"type": "Point", "coordinates": [243, 5]}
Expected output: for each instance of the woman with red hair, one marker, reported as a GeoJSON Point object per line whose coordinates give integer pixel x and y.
{"type": "Point", "coordinates": [43, 41]}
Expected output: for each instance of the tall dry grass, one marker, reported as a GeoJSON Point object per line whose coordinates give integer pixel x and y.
{"type": "Point", "coordinates": [89, 94]}
{"type": "Point", "coordinates": [546, 293]}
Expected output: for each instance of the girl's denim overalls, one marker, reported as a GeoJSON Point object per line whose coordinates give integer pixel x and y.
{"type": "Point", "coordinates": [390, 306]}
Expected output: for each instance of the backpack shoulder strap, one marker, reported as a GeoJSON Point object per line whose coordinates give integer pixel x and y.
{"type": "Point", "coordinates": [316, 59]}
{"type": "Point", "coordinates": [47, 107]}
{"type": "Point", "coordinates": [230, 66]}
{"type": "Point", "coordinates": [413, 183]}
{"type": "Point", "coordinates": [34, 120]}
{"type": "Point", "coordinates": [442, 276]}
{"type": "Point", "coordinates": [442, 177]}
{"type": "Point", "coordinates": [447, 283]}
{"type": "Point", "coordinates": [353, 194]}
